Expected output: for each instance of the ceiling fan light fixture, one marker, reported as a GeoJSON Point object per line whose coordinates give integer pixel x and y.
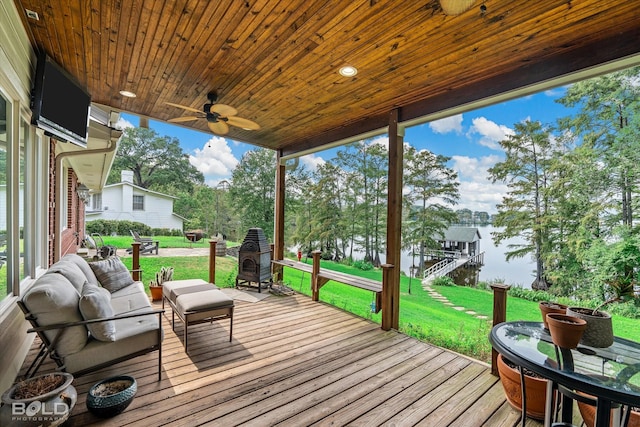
{"type": "Point", "coordinates": [456, 7]}
{"type": "Point", "coordinates": [128, 93]}
{"type": "Point", "coordinates": [348, 71]}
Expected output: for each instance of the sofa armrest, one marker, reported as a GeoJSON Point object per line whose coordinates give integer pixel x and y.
{"type": "Point", "coordinates": [86, 322]}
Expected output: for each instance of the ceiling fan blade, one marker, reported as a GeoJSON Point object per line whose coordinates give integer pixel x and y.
{"type": "Point", "coordinates": [223, 110]}
{"type": "Point", "coordinates": [183, 119]}
{"type": "Point", "coordinates": [219, 127]}
{"type": "Point", "coordinates": [243, 123]}
{"type": "Point", "coordinates": [184, 107]}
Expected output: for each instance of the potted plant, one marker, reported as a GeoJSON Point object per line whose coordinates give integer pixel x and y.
{"type": "Point", "coordinates": [48, 397]}
{"type": "Point", "coordinates": [588, 413]}
{"type": "Point", "coordinates": [599, 331]}
{"type": "Point", "coordinates": [614, 265]}
{"type": "Point", "coordinates": [565, 330]}
{"type": "Point", "coordinates": [547, 307]}
{"type": "Point", "coordinates": [535, 388]}
{"type": "Point", "coordinates": [155, 286]}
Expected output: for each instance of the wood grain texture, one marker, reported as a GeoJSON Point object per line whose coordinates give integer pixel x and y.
{"type": "Point", "coordinates": [296, 362]}
{"type": "Point", "coordinates": [276, 61]}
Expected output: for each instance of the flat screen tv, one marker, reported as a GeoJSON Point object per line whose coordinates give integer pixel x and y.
{"type": "Point", "coordinates": [60, 105]}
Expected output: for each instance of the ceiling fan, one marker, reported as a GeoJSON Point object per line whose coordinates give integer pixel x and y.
{"type": "Point", "coordinates": [218, 116]}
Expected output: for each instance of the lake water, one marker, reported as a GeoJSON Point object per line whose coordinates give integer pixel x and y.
{"type": "Point", "coordinates": [520, 271]}
{"type": "Point", "coordinates": [517, 272]}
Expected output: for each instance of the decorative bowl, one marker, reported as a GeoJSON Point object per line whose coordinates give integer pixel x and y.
{"type": "Point", "coordinates": [110, 397]}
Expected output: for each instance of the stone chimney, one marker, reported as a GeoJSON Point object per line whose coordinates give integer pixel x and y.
{"type": "Point", "coordinates": [126, 176]}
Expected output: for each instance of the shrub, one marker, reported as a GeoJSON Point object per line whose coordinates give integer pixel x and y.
{"type": "Point", "coordinates": [363, 265]}
{"type": "Point", "coordinates": [109, 227]}
{"type": "Point", "coordinates": [443, 281]}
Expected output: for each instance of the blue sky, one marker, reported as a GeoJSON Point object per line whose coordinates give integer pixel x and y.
{"type": "Point", "coordinates": [470, 139]}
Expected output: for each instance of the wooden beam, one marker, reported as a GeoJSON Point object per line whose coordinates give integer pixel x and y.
{"type": "Point", "coordinates": [499, 316]}
{"type": "Point", "coordinates": [394, 213]}
{"type": "Point", "coordinates": [278, 232]}
{"type": "Point", "coordinates": [212, 261]}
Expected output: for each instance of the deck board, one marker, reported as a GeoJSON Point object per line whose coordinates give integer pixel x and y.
{"type": "Point", "coordinates": [295, 362]}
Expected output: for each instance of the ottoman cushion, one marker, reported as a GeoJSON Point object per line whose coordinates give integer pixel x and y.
{"type": "Point", "coordinates": [202, 301]}
{"type": "Point", "coordinates": [168, 287]}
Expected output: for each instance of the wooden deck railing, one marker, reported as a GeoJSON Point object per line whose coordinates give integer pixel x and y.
{"type": "Point", "coordinates": [499, 316]}
{"type": "Point", "coordinates": [384, 300]}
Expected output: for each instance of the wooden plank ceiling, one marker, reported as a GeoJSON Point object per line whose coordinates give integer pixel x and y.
{"type": "Point", "coordinates": [277, 61]}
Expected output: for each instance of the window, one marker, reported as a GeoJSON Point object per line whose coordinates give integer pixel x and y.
{"type": "Point", "coordinates": [96, 202]}
{"type": "Point", "coordinates": [23, 213]}
{"type": "Point", "coordinates": [138, 203]}
{"type": "Point", "coordinates": [5, 288]}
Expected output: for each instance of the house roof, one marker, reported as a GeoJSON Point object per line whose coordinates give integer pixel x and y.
{"type": "Point", "coordinates": [276, 61]}
{"type": "Point", "coordinates": [461, 234]}
{"type": "Point", "coordinates": [145, 190]}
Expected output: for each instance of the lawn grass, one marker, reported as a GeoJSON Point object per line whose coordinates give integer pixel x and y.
{"type": "Point", "coordinates": [124, 242]}
{"type": "Point", "coordinates": [421, 316]}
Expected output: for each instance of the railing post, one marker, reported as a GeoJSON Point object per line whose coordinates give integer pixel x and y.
{"type": "Point", "coordinates": [212, 261]}
{"type": "Point", "coordinates": [499, 316]}
{"type": "Point", "coordinates": [135, 262]}
{"type": "Point", "coordinates": [390, 299]}
{"type": "Point", "coordinates": [315, 291]}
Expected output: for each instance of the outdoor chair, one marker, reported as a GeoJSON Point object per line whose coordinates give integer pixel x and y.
{"type": "Point", "coordinates": [147, 244]}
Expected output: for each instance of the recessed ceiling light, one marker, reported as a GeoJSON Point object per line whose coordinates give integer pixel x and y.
{"type": "Point", "coordinates": [348, 71]}
{"type": "Point", "coordinates": [127, 93]}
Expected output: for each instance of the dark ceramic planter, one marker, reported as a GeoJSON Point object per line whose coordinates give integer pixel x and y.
{"type": "Point", "coordinates": [599, 331]}
{"type": "Point", "coordinates": [106, 406]}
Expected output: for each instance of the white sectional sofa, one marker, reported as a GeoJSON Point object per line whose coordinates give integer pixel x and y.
{"type": "Point", "coordinates": [91, 315]}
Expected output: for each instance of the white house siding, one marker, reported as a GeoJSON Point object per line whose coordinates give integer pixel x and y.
{"type": "Point", "coordinates": [117, 204]}
{"type": "Point", "coordinates": [3, 207]}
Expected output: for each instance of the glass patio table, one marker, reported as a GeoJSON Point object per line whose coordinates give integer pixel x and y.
{"type": "Point", "coordinates": [611, 374]}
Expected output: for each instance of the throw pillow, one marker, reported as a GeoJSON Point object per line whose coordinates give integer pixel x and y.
{"type": "Point", "coordinates": [112, 273]}
{"type": "Point", "coordinates": [95, 303]}
{"type": "Point", "coordinates": [71, 271]}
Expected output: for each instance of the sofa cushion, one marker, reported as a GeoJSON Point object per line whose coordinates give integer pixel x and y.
{"type": "Point", "coordinates": [52, 299]}
{"type": "Point", "coordinates": [95, 303]}
{"type": "Point", "coordinates": [111, 273]}
{"type": "Point", "coordinates": [83, 265]}
{"type": "Point", "coordinates": [130, 299]}
{"type": "Point", "coordinates": [71, 271]}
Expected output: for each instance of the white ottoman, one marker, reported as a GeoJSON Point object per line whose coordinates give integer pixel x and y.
{"type": "Point", "coordinates": [196, 301]}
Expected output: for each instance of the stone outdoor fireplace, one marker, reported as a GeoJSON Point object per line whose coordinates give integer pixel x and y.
{"type": "Point", "coordinates": [254, 260]}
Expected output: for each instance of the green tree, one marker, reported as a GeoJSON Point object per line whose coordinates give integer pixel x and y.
{"type": "Point", "coordinates": [365, 164]}
{"type": "Point", "coordinates": [524, 209]}
{"type": "Point", "coordinates": [252, 190]}
{"type": "Point", "coordinates": [608, 120]}
{"type": "Point", "coordinates": [158, 163]}
{"type": "Point", "coordinates": [433, 190]}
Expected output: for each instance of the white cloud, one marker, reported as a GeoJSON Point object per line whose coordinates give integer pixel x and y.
{"type": "Point", "coordinates": [448, 124]}
{"type": "Point", "coordinates": [123, 123]}
{"type": "Point", "coordinates": [311, 161]}
{"type": "Point", "coordinates": [490, 132]}
{"type": "Point", "coordinates": [477, 192]}
{"type": "Point", "coordinates": [215, 160]}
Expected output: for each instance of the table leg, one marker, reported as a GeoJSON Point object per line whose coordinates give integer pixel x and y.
{"type": "Point", "coordinates": [524, 397]}
{"type": "Point", "coordinates": [548, 406]}
{"type": "Point", "coordinates": [603, 411]}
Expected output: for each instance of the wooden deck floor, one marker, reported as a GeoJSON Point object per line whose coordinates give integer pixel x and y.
{"type": "Point", "coordinates": [296, 362]}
